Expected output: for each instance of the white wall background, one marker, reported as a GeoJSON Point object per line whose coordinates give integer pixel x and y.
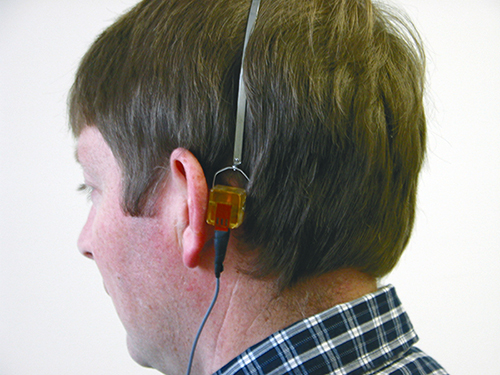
{"type": "Point", "coordinates": [54, 315]}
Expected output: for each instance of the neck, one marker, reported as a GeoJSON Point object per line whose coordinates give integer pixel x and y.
{"type": "Point", "coordinates": [250, 310]}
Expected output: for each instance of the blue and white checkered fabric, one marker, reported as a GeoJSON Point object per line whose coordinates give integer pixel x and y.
{"type": "Point", "coordinates": [371, 335]}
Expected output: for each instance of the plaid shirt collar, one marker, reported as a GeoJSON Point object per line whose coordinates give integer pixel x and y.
{"type": "Point", "coordinates": [354, 337]}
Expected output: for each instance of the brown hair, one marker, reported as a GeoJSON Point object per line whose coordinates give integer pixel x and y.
{"type": "Point", "coordinates": [335, 129]}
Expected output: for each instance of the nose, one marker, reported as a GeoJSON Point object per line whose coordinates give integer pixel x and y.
{"type": "Point", "coordinates": [87, 254]}
{"type": "Point", "coordinates": [85, 238]}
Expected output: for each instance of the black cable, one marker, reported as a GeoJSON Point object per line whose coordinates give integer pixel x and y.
{"type": "Point", "coordinates": [220, 244]}
{"type": "Point", "coordinates": [201, 327]}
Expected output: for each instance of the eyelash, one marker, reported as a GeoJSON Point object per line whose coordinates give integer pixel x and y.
{"type": "Point", "coordinates": [86, 189]}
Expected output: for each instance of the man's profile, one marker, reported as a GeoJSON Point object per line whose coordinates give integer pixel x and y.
{"type": "Point", "coordinates": [334, 139]}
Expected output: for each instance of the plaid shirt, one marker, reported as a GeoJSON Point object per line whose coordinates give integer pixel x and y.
{"type": "Point", "coordinates": [371, 335]}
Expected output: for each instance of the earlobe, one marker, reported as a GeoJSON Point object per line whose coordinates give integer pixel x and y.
{"type": "Point", "coordinates": [187, 172]}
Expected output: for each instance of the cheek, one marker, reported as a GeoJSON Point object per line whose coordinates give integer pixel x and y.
{"type": "Point", "coordinates": [132, 259]}
{"type": "Point", "coordinates": [120, 249]}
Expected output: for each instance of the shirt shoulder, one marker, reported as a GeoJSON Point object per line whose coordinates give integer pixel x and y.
{"type": "Point", "coordinates": [372, 335]}
{"type": "Point", "coordinates": [414, 362]}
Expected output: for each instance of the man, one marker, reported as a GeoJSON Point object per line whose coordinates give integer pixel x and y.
{"type": "Point", "coordinates": [334, 138]}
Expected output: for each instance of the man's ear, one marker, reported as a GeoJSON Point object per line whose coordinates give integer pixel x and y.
{"type": "Point", "coordinates": [188, 175]}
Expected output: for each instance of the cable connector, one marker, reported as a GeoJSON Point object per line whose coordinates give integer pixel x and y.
{"type": "Point", "coordinates": [220, 244]}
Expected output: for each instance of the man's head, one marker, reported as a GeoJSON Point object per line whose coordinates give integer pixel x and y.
{"type": "Point", "coordinates": [335, 130]}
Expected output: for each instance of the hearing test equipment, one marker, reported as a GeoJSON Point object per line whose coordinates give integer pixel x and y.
{"type": "Point", "coordinates": [226, 205]}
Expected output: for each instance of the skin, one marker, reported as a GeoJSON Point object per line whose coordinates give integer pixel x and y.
{"type": "Point", "coordinates": [159, 270]}
{"type": "Point", "coordinates": [138, 258]}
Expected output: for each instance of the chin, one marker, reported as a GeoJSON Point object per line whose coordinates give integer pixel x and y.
{"type": "Point", "coordinates": [147, 353]}
{"type": "Point", "coordinates": [138, 355]}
